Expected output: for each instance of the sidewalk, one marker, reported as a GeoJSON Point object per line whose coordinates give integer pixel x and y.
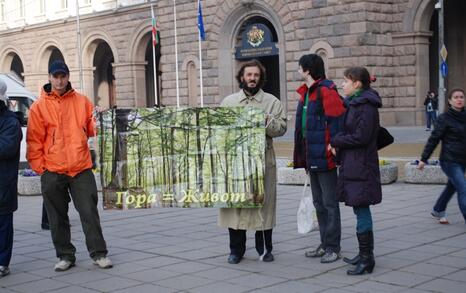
{"type": "Point", "coordinates": [183, 250]}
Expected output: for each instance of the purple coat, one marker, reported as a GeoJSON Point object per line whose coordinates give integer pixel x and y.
{"type": "Point", "coordinates": [359, 174]}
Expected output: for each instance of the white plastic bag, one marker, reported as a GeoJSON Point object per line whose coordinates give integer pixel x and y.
{"type": "Point", "coordinates": [306, 215]}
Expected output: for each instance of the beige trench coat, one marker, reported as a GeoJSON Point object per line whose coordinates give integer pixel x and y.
{"type": "Point", "coordinates": [250, 218]}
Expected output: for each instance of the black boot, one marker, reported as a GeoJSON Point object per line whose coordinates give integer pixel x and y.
{"type": "Point", "coordinates": [366, 261]}
{"type": "Point", "coordinates": [352, 261]}
{"type": "Point", "coordinates": [357, 258]}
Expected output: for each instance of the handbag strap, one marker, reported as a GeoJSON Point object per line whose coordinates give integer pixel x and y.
{"type": "Point", "coordinates": [304, 188]}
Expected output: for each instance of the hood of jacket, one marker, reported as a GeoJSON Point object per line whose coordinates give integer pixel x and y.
{"type": "Point", "coordinates": [47, 89]}
{"type": "Point", "coordinates": [368, 96]}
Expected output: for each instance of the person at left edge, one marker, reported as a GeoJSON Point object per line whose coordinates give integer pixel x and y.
{"type": "Point", "coordinates": [251, 78]}
{"type": "Point", "coordinates": [10, 140]}
{"type": "Point", "coordinates": [59, 125]}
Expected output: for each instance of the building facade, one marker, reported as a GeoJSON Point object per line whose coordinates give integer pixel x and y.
{"type": "Point", "coordinates": [397, 40]}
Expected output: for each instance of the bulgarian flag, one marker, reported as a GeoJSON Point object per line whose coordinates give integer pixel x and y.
{"type": "Point", "coordinates": [155, 37]}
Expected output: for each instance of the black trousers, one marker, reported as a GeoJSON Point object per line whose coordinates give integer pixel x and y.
{"type": "Point", "coordinates": [56, 190]}
{"type": "Point", "coordinates": [6, 238]}
{"type": "Point", "coordinates": [238, 241]}
{"type": "Point", "coordinates": [45, 219]}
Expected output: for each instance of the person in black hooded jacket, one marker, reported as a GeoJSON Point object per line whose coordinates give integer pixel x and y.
{"type": "Point", "coordinates": [10, 139]}
{"type": "Point", "coordinates": [451, 130]}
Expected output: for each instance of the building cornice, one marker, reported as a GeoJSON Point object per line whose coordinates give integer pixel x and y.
{"type": "Point", "coordinates": [82, 18]}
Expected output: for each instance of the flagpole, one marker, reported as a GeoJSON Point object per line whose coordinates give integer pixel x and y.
{"type": "Point", "coordinates": [176, 58]}
{"type": "Point", "coordinates": [157, 103]}
{"type": "Point", "coordinates": [78, 33]}
{"type": "Point", "coordinates": [200, 62]}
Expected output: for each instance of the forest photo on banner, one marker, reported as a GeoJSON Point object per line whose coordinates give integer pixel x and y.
{"type": "Point", "coordinates": [182, 157]}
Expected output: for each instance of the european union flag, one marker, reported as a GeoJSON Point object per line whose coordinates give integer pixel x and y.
{"type": "Point", "coordinates": [200, 23]}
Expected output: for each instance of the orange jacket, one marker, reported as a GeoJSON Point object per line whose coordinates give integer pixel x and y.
{"type": "Point", "coordinates": [57, 132]}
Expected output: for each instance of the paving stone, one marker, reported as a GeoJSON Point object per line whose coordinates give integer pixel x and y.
{"type": "Point", "coordinates": [31, 266]}
{"type": "Point", "coordinates": [297, 286]}
{"type": "Point", "coordinates": [158, 261]}
{"type": "Point", "coordinates": [389, 262]}
{"type": "Point", "coordinates": [255, 280]}
{"type": "Point", "coordinates": [333, 279]}
{"type": "Point", "coordinates": [152, 275]}
{"type": "Point", "coordinates": [18, 278]}
{"type": "Point", "coordinates": [184, 282]}
{"type": "Point", "coordinates": [449, 261]}
{"type": "Point", "coordinates": [73, 289]}
{"type": "Point", "coordinates": [401, 278]}
{"type": "Point", "coordinates": [188, 267]}
{"type": "Point", "coordinates": [220, 274]}
{"type": "Point", "coordinates": [77, 278]}
{"type": "Point", "coordinates": [434, 270]}
{"type": "Point", "coordinates": [220, 287]}
{"type": "Point", "coordinates": [37, 286]}
{"type": "Point", "coordinates": [146, 288]}
{"type": "Point", "coordinates": [443, 285]}
{"type": "Point", "coordinates": [459, 276]}
{"type": "Point", "coordinates": [111, 284]}
{"type": "Point", "coordinates": [371, 286]}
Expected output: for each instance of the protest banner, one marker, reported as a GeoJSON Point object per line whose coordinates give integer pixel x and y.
{"type": "Point", "coordinates": [182, 157]}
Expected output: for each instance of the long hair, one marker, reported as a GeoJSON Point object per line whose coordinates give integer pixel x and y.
{"type": "Point", "coordinates": [253, 63]}
{"type": "Point", "coordinates": [450, 95]}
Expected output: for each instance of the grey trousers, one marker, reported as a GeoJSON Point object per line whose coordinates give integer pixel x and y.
{"type": "Point", "coordinates": [56, 191]}
{"type": "Point", "coordinates": [323, 186]}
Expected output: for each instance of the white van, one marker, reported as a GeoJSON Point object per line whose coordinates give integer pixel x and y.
{"type": "Point", "coordinates": [19, 99]}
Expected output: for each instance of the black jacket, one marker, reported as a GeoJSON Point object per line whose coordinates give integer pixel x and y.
{"type": "Point", "coordinates": [359, 174]}
{"type": "Point", "coordinates": [433, 101]}
{"type": "Point", "coordinates": [451, 130]}
{"type": "Point", "coordinates": [10, 139]}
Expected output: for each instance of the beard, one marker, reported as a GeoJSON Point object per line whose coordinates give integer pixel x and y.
{"type": "Point", "coordinates": [250, 90]}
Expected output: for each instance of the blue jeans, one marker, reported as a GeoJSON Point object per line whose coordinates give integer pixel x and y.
{"type": "Point", "coordinates": [456, 183]}
{"type": "Point", "coordinates": [6, 238]}
{"type": "Point", "coordinates": [323, 186]}
{"type": "Point", "coordinates": [364, 219]}
{"type": "Point", "coordinates": [431, 118]}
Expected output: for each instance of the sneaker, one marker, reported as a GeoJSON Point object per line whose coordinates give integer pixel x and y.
{"type": "Point", "coordinates": [103, 263]}
{"type": "Point", "coordinates": [330, 256]}
{"type": "Point", "coordinates": [427, 129]}
{"type": "Point", "coordinates": [319, 252]}
{"type": "Point", "coordinates": [443, 220]}
{"type": "Point", "coordinates": [63, 265]}
{"type": "Point", "coordinates": [4, 271]}
{"type": "Point", "coordinates": [440, 216]}
{"type": "Point", "coordinates": [268, 257]}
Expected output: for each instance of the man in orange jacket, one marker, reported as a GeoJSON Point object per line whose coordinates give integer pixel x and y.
{"type": "Point", "coordinates": [59, 125]}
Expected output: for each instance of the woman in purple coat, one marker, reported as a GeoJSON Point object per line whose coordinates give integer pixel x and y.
{"type": "Point", "coordinates": [356, 146]}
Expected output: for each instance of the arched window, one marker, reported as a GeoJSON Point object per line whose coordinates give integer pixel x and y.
{"type": "Point", "coordinates": [17, 66]}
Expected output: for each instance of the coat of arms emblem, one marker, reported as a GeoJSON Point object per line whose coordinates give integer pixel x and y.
{"type": "Point", "coordinates": [255, 36]}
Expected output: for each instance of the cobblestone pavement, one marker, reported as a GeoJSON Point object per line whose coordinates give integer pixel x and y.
{"type": "Point", "coordinates": [183, 250]}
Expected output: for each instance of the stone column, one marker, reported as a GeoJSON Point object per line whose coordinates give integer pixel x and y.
{"type": "Point", "coordinates": [124, 86]}
{"type": "Point", "coordinates": [416, 44]}
{"type": "Point", "coordinates": [139, 83]}
{"type": "Point", "coordinates": [88, 83]}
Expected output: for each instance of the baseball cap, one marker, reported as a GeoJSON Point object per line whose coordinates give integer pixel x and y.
{"type": "Point", "coordinates": [3, 96]}
{"type": "Point", "coordinates": [58, 66]}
